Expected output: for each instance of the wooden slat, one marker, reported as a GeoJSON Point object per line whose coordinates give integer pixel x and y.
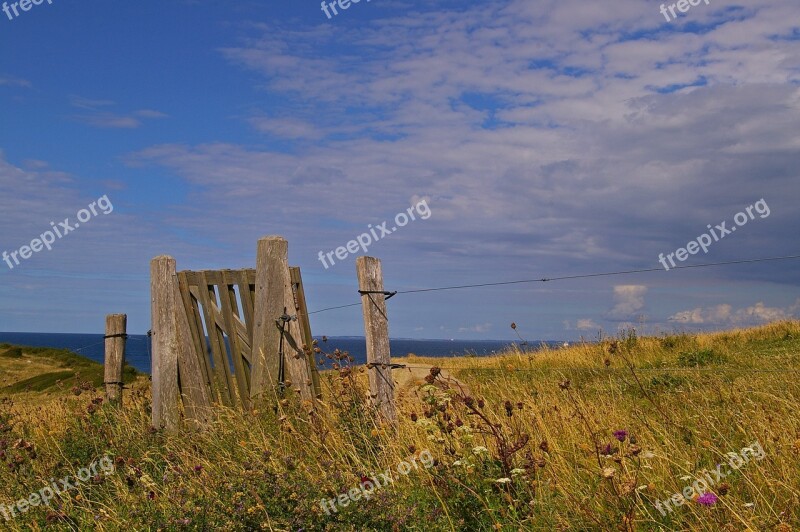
{"type": "Point", "coordinates": [305, 326]}
{"type": "Point", "coordinates": [228, 303]}
{"type": "Point", "coordinates": [193, 388]}
{"type": "Point", "coordinates": [219, 318]}
{"type": "Point", "coordinates": [198, 336]}
{"type": "Point", "coordinates": [244, 284]}
{"type": "Point", "coordinates": [219, 384]}
{"type": "Point", "coordinates": [222, 370]}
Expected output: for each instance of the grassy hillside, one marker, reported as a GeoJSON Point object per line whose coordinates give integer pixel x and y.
{"type": "Point", "coordinates": [590, 437]}
{"type": "Point", "coordinates": [31, 373]}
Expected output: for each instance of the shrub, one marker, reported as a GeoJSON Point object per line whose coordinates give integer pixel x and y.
{"type": "Point", "coordinates": [14, 352]}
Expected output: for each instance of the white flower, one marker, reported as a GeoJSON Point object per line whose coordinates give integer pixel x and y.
{"type": "Point", "coordinates": [479, 450]}
{"type": "Point", "coordinates": [503, 480]}
{"type": "Point", "coordinates": [517, 471]}
{"type": "Point", "coordinates": [458, 462]}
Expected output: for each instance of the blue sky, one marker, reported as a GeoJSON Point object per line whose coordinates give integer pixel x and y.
{"type": "Point", "coordinates": [548, 138]}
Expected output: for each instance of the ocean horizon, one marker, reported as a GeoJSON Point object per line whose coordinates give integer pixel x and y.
{"type": "Point", "coordinates": [137, 348]}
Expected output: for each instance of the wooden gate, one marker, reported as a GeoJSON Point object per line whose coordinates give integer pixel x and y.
{"type": "Point", "coordinates": [229, 337]}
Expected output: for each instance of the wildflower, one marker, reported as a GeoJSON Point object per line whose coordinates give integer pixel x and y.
{"type": "Point", "coordinates": [517, 471]}
{"type": "Point", "coordinates": [608, 472]}
{"type": "Point", "coordinates": [707, 499]}
{"type": "Point", "coordinates": [513, 325]}
{"type": "Point", "coordinates": [478, 450]}
{"type": "Point", "coordinates": [621, 434]}
{"type": "Point", "coordinates": [607, 450]}
{"type": "Point", "coordinates": [503, 480]}
{"type": "Point", "coordinates": [198, 468]}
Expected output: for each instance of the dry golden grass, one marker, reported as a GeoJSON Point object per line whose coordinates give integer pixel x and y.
{"type": "Point", "coordinates": [546, 421]}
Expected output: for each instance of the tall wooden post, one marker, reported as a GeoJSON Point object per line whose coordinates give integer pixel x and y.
{"type": "Point", "coordinates": [165, 343]}
{"type": "Point", "coordinates": [376, 327]}
{"type": "Point", "coordinates": [116, 333]}
{"type": "Point", "coordinates": [276, 328]}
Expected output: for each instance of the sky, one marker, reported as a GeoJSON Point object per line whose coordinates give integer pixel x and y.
{"type": "Point", "coordinates": [542, 139]}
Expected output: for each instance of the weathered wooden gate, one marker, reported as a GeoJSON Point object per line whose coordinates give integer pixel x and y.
{"type": "Point", "coordinates": [229, 337]}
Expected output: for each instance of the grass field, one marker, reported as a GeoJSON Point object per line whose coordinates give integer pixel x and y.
{"type": "Point", "coordinates": [589, 437]}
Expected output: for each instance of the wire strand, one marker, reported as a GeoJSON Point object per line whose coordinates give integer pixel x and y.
{"type": "Point", "coordinates": [570, 277]}
{"type": "Point", "coordinates": [603, 274]}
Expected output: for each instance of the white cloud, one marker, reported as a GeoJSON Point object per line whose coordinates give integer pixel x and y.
{"type": "Point", "coordinates": [587, 324]}
{"type": "Point", "coordinates": [479, 328]}
{"type": "Point", "coordinates": [14, 82]}
{"type": "Point", "coordinates": [724, 315]}
{"type": "Point", "coordinates": [629, 299]}
{"type": "Point", "coordinates": [95, 115]}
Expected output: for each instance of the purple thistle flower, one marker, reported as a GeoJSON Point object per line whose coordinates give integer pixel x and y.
{"type": "Point", "coordinates": [707, 499]}
{"type": "Point", "coordinates": [607, 450]}
{"type": "Point", "coordinates": [621, 434]}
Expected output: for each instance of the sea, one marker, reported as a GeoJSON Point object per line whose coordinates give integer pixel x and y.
{"type": "Point", "coordinates": [137, 348]}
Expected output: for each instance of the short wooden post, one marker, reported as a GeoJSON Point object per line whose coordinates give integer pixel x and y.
{"type": "Point", "coordinates": [376, 327]}
{"type": "Point", "coordinates": [274, 300]}
{"type": "Point", "coordinates": [116, 333]}
{"type": "Point", "coordinates": [165, 343]}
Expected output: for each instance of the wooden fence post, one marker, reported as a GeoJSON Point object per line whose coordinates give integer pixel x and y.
{"type": "Point", "coordinates": [274, 299]}
{"type": "Point", "coordinates": [376, 327]}
{"type": "Point", "coordinates": [116, 333]}
{"type": "Point", "coordinates": [165, 343]}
